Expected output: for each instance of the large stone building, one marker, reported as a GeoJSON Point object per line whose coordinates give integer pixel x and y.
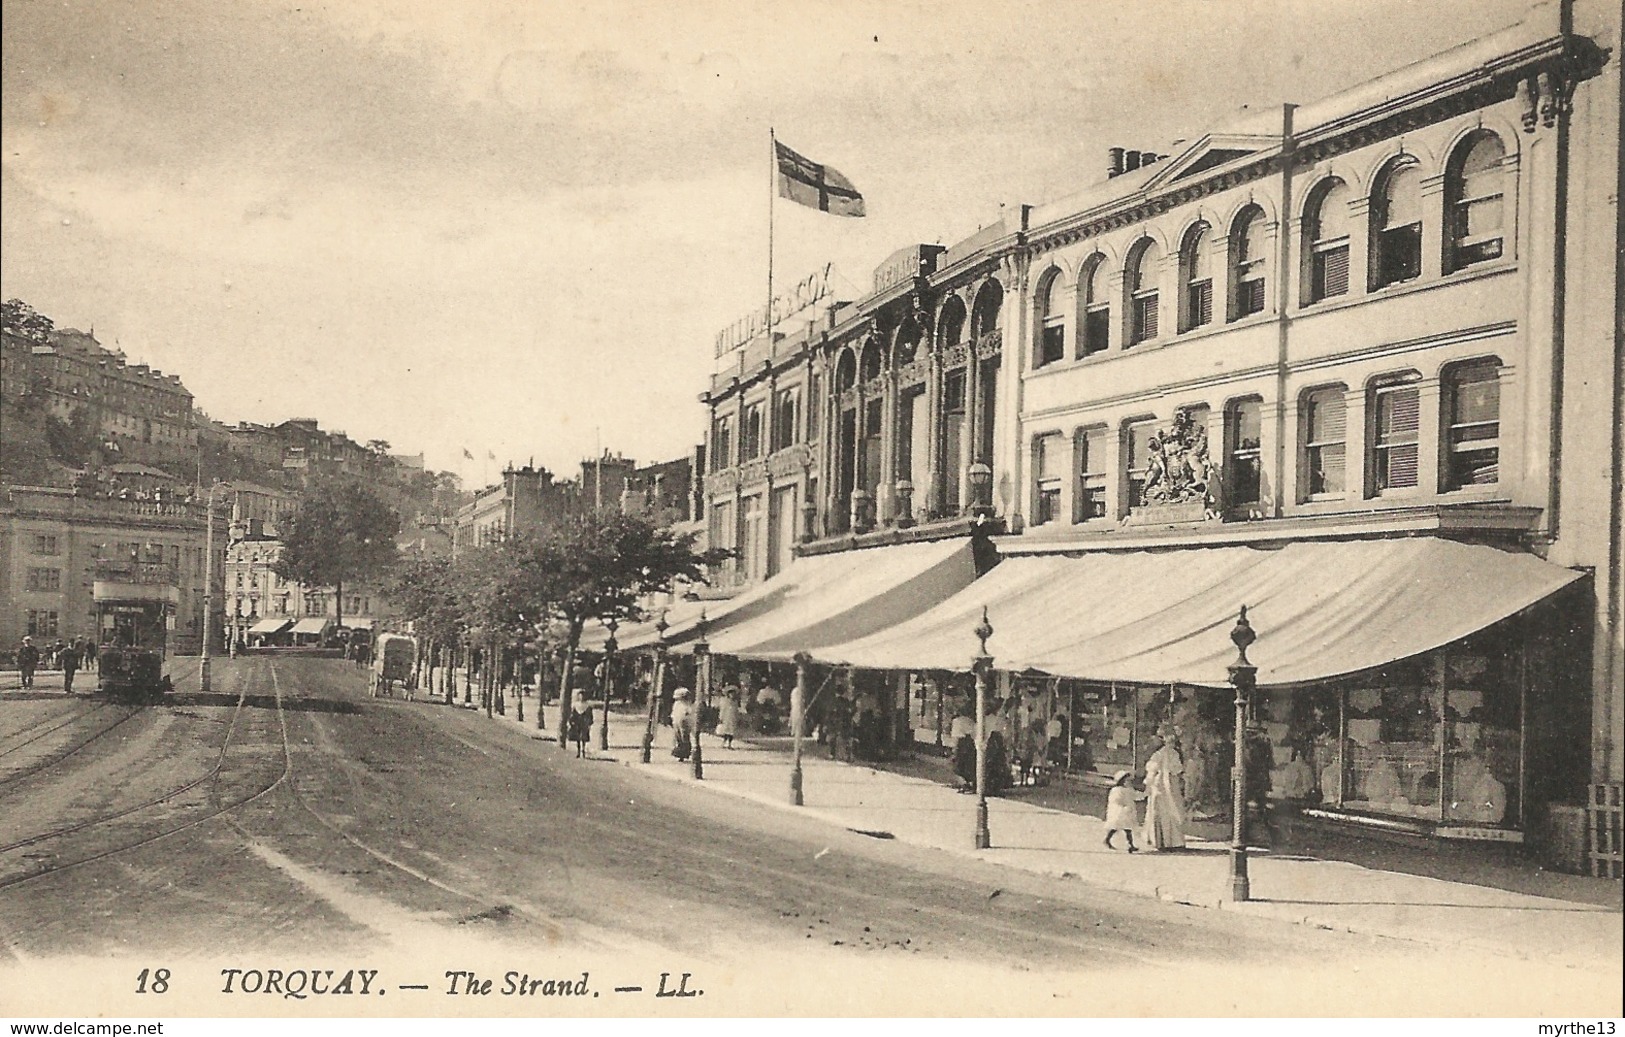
{"type": "Point", "coordinates": [1369, 344]}
{"type": "Point", "coordinates": [139, 413]}
{"type": "Point", "coordinates": [51, 539]}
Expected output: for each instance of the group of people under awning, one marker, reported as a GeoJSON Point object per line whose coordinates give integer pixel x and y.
{"type": "Point", "coordinates": [868, 620]}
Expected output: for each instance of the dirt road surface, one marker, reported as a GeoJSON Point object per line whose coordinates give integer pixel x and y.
{"type": "Point", "coordinates": [288, 823]}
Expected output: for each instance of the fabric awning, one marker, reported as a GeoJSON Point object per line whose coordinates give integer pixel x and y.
{"type": "Point", "coordinates": [820, 600]}
{"type": "Point", "coordinates": [311, 625]}
{"type": "Point", "coordinates": [270, 626]}
{"type": "Point", "coordinates": [360, 622]}
{"type": "Point", "coordinates": [1320, 610]}
{"type": "Point", "coordinates": [827, 599]}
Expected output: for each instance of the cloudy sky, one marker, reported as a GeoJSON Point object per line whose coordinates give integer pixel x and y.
{"type": "Point", "coordinates": [516, 225]}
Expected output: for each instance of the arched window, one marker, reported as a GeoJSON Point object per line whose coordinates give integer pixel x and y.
{"type": "Point", "coordinates": [1196, 279]}
{"type": "Point", "coordinates": [1326, 241]}
{"type": "Point", "coordinates": [907, 343]}
{"type": "Point", "coordinates": [1396, 224]}
{"type": "Point", "coordinates": [1248, 260]}
{"type": "Point", "coordinates": [951, 324]}
{"type": "Point", "coordinates": [869, 365]}
{"type": "Point", "coordinates": [1097, 309]}
{"type": "Point", "coordinates": [1475, 195]}
{"type": "Point", "coordinates": [1141, 283]}
{"type": "Point", "coordinates": [1472, 399]}
{"type": "Point", "coordinates": [1051, 321]}
{"type": "Point", "coordinates": [846, 371]}
{"type": "Point", "coordinates": [985, 315]}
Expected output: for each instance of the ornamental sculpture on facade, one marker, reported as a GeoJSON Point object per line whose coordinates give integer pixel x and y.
{"type": "Point", "coordinates": [1179, 469]}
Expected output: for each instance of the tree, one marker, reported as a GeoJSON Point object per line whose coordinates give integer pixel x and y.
{"type": "Point", "coordinates": [424, 590]}
{"type": "Point", "coordinates": [600, 564]}
{"type": "Point", "coordinates": [19, 318]}
{"type": "Point", "coordinates": [340, 531]}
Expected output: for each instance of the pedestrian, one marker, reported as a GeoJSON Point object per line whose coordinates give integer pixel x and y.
{"type": "Point", "coordinates": [839, 728]}
{"type": "Point", "coordinates": [1121, 813]}
{"type": "Point", "coordinates": [580, 722]}
{"type": "Point", "coordinates": [728, 718]}
{"type": "Point", "coordinates": [1165, 801]}
{"type": "Point", "coordinates": [70, 665]}
{"type": "Point", "coordinates": [27, 661]}
{"type": "Point", "coordinates": [682, 717]}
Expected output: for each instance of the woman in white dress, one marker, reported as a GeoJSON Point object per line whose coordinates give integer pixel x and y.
{"type": "Point", "coordinates": [728, 717]}
{"type": "Point", "coordinates": [1164, 798]}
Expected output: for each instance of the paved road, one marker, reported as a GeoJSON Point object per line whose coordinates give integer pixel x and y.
{"type": "Point", "coordinates": [287, 818]}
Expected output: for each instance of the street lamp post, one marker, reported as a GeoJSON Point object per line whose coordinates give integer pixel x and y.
{"type": "Point", "coordinates": [798, 704]}
{"type": "Point", "coordinates": [208, 588]}
{"type": "Point", "coordinates": [702, 689]}
{"type": "Point", "coordinates": [654, 689]}
{"type": "Point", "coordinates": [984, 669]}
{"type": "Point", "coordinates": [1244, 676]}
{"type": "Point", "coordinates": [609, 682]}
{"type": "Point", "coordinates": [980, 477]}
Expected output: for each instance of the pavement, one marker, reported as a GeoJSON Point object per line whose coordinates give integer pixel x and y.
{"type": "Point", "coordinates": [1584, 929]}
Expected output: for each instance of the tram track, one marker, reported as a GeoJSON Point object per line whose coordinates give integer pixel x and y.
{"type": "Point", "coordinates": [57, 758]}
{"type": "Point", "coordinates": [218, 808]}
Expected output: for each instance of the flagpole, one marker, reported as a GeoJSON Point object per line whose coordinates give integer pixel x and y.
{"type": "Point", "coordinates": [772, 189]}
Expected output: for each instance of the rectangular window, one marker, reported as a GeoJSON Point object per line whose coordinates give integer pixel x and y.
{"type": "Point", "coordinates": [42, 623]}
{"type": "Point", "coordinates": [45, 581]}
{"type": "Point", "coordinates": [1250, 294]}
{"type": "Point", "coordinates": [1090, 454]}
{"type": "Point", "coordinates": [45, 544]}
{"type": "Point", "coordinates": [1474, 435]}
{"type": "Point", "coordinates": [1145, 317]}
{"type": "Point", "coordinates": [815, 404]}
{"type": "Point", "coordinates": [1325, 425]}
{"type": "Point", "coordinates": [1047, 478]}
{"type": "Point", "coordinates": [1097, 324]}
{"type": "Point", "coordinates": [953, 438]}
{"type": "Point", "coordinates": [1330, 270]}
{"type": "Point", "coordinates": [1399, 254]}
{"type": "Point", "coordinates": [1052, 348]}
{"type": "Point", "coordinates": [1199, 302]}
{"type": "Point", "coordinates": [1244, 435]}
{"type": "Point", "coordinates": [1138, 459]}
{"type": "Point", "coordinates": [1395, 427]}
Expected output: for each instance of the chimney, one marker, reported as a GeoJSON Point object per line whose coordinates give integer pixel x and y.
{"type": "Point", "coordinates": [1114, 162]}
{"type": "Point", "coordinates": [1131, 161]}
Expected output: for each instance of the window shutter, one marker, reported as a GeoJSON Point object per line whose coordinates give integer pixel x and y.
{"type": "Point", "coordinates": [1334, 272]}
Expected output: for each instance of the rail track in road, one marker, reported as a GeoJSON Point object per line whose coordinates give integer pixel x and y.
{"type": "Point", "coordinates": [96, 706]}
{"type": "Point", "coordinates": [219, 805]}
{"type": "Point", "coordinates": [16, 776]}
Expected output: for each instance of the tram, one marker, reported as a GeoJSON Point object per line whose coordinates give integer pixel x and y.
{"type": "Point", "coordinates": [135, 613]}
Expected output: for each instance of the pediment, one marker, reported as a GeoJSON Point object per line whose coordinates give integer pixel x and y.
{"type": "Point", "coordinates": [1211, 152]}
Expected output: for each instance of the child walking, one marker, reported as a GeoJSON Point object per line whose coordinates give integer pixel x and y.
{"type": "Point", "coordinates": [1121, 814]}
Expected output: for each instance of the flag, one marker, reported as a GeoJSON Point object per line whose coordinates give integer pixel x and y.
{"type": "Point", "coordinates": [467, 454]}
{"type": "Point", "coordinates": [814, 185]}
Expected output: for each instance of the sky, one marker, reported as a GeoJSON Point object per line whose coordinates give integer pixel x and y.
{"type": "Point", "coordinates": [516, 227]}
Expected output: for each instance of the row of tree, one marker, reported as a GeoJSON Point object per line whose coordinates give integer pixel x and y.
{"type": "Point", "coordinates": [543, 586]}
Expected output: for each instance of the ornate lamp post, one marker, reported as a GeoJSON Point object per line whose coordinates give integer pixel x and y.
{"type": "Point", "coordinates": [609, 681]}
{"type": "Point", "coordinates": [980, 476]}
{"type": "Point", "coordinates": [1244, 676]}
{"type": "Point", "coordinates": [984, 670]}
{"type": "Point", "coordinates": [702, 689]}
{"type": "Point", "coordinates": [654, 688]}
{"type": "Point", "coordinates": [798, 704]}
